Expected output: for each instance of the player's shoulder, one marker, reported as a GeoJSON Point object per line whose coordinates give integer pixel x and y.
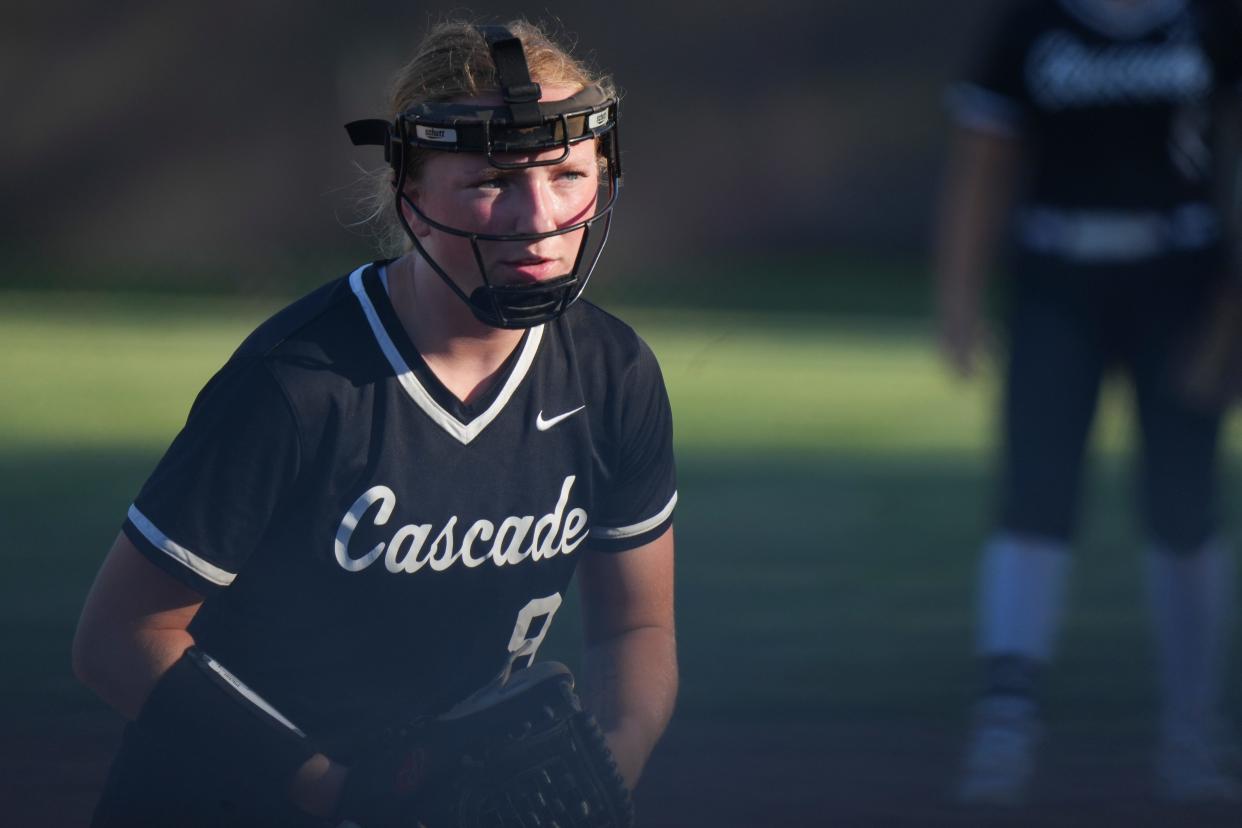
{"type": "Point", "coordinates": [600, 336]}
{"type": "Point", "coordinates": [316, 344]}
{"type": "Point", "coordinates": [312, 320]}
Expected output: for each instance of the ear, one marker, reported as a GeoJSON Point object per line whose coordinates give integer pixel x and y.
{"type": "Point", "coordinates": [411, 195]}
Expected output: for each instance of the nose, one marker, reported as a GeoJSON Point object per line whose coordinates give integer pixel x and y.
{"type": "Point", "coordinates": [536, 207]}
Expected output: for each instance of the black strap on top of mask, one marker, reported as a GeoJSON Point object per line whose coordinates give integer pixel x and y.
{"type": "Point", "coordinates": [519, 92]}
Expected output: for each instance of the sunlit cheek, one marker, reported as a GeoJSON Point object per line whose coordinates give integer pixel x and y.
{"type": "Point", "coordinates": [481, 217]}
{"type": "Point", "coordinates": [443, 204]}
{"type": "Point", "coordinates": [455, 251]}
{"type": "Point", "coordinates": [578, 205]}
{"type": "Point", "coordinates": [452, 252]}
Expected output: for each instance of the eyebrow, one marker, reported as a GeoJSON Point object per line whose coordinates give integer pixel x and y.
{"type": "Point", "coordinates": [495, 173]}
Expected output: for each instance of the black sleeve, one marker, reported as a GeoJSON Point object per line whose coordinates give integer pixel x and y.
{"type": "Point", "coordinates": [206, 506]}
{"type": "Point", "coordinates": [637, 505]}
{"type": "Point", "coordinates": [1223, 35]}
{"type": "Point", "coordinates": [994, 96]}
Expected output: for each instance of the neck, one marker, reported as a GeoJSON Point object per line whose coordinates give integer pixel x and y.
{"type": "Point", "coordinates": [435, 318]}
{"type": "Point", "coordinates": [464, 353]}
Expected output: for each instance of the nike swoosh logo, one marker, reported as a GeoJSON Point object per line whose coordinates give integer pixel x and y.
{"type": "Point", "coordinates": [544, 425]}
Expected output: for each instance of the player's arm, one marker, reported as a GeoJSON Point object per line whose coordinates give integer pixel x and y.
{"type": "Point", "coordinates": [629, 676]}
{"type": "Point", "coordinates": [978, 192]}
{"type": "Point", "coordinates": [131, 635]}
{"type": "Point", "coordinates": [1213, 375]}
{"type": "Point", "coordinates": [132, 628]}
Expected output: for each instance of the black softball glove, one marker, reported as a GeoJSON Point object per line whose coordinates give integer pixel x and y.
{"type": "Point", "coordinates": [519, 753]}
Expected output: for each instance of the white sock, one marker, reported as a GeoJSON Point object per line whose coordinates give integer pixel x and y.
{"type": "Point", "coordinates": [1022, 584]}
{"type": "Point", "coordinates": [1191, 599]}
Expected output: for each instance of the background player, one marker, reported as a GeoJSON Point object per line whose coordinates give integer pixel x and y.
{"type": "Point", "coordinates": [1101, 113]}
{"type": "Point", "coordinates": [378, 503]}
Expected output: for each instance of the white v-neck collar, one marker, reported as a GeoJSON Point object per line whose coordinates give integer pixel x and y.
{"type": "Point", "coordinates": [464, 432]}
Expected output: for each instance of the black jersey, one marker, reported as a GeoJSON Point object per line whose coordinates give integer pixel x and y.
{"type": "Point", "coordinates": [1115, 107]}
{"type": "Point", "coordinates": [372, 548]}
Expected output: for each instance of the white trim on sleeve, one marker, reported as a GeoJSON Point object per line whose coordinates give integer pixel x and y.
{"type": "Point", "coordinates": [204, 569]}
{"type": "Point", "coordinates": [637, 528]}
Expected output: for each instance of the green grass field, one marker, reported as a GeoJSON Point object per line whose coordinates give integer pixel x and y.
{"type": "Point", "coordinates": [835, 485]}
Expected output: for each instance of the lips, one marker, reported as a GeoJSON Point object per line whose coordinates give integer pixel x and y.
{"type": "Point", "coordinates": [531, 269]}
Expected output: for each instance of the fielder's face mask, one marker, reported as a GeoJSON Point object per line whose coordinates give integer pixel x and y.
{"type": "Point", "coordinates": [520, 126]}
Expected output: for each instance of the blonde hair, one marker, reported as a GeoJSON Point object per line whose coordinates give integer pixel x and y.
{"type": "Point", "coordinates": [453, 61]}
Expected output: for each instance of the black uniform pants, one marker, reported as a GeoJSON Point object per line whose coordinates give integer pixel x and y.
{"type": "Point", "coordinates": [1068, 326]}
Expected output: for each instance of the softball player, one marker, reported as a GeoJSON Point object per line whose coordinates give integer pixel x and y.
{"type": "Point", "coordinates": [379, 501]}
{"type": "Point", "coordinates": [1101, 115]}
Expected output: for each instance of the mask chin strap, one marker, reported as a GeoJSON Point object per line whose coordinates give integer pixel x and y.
{"type": "Point", "coordinates": [523, 306]}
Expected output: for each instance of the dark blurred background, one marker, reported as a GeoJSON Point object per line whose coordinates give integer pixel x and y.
{"type": "Point", "coordinates": [782, 161]}
{"type": "Point", "coordinates": [200, 144]}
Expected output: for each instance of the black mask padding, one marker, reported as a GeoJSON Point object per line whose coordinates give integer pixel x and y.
{"type": "Point", "coordinates": [519, 306]}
